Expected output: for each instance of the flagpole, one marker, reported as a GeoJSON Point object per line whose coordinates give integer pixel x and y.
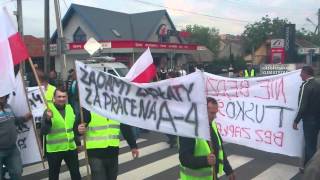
{"type": "Point", "coordinates": [38, 82]}
{"type": "Point", "coordinates": [84, 135]}
{"type": "Point", "coordinates": [41, 92]}
{"type": "Point", "coordinates": [214, 166]}
{"type": "Point", "coordinates": [34, 127]}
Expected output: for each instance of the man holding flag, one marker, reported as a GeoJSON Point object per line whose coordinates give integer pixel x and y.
{"type": "Point", "coordinates": [102, 134]}
{"type": "Point", "coordinates": [12, 52]}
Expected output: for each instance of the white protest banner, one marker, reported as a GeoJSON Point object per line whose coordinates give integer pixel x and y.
{"type": "Point", "coordinates": [175, 106]}
{"type": "Point", "coordinates": [258, 112]}
{"type": "Point", "coordinates": [26, 142]}
{"type": "Point", "coordinates": [37, 104]}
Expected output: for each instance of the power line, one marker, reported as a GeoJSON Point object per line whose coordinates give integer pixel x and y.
{"type": "Point", "coordinates": [192, 12]}
{"type": "Point", "coordinates": [265, 6]}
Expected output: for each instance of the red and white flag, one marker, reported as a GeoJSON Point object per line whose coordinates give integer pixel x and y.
{"type": "Point", "coordinates": [143, 70]}
{"type": "Point", "coordinates": [12, 52]}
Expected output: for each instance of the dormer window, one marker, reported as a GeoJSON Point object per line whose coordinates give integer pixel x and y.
{"type": "Point", "coordinates": [79, 36]}
{"type": "Point", "coordinates": [116, 33]}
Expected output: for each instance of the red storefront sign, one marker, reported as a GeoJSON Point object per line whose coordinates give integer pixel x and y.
{"type": "Point", "coordinates": [137, 44]}
{"type": "Point", "coordinates": [277, 56]}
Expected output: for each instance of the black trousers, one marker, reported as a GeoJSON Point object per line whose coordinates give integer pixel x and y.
{"type": "Point", "coordinates": [71, 159]}
{"type": "Point", "coordinates": [104, 168]}
{"type": "Point", "coordinates": [311, 130]}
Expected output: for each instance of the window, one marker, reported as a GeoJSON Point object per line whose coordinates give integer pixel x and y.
{"type": "Point", "coordinates": [79, 36]}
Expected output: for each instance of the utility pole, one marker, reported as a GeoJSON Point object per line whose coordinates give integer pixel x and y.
{"type": "Point", "coordinates": [20, 29]}
{"type": "Point", "coordinates": [61, 57]}
{"type": "Point", "coordinates": [46, 37]}
{"type": "Point", "coordinates": [19, 17]}
{"type": "Point", "coordinates": [318, 22]}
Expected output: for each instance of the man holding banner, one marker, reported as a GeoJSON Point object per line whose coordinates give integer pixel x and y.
{"type": "Point", "coordinates": [102, 144]}
{"type": "Point", "coordinates": [9, 153]}
{"type": "Point", "coordinates": [197, 157]}
{"type": "Point", "coordinates": [309, 102]}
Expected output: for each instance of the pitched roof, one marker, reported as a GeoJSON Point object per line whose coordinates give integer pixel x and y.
{"type": "Point", "coordinates": [305, 43]}
{"type": "Point", "coordinates": [34, 45]}
{"type": "Point", "coordinates": [138, 26]}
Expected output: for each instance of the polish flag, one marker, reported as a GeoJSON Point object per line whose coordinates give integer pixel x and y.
{"type": "Point", "coordinates": [143, 70]}
{"type": "Point", "coordinates": [12, 52]}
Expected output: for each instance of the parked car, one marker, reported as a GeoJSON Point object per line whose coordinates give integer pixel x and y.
{"type": "Point", "coordinates": [107, 64]}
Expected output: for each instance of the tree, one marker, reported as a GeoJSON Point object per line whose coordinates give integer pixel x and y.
{"type": "Point", "coordinates": [205, 36]}
{"type": "Point", "coordinates": [309, 36]}
{"type": "Point", "coordinates": [257, 33]}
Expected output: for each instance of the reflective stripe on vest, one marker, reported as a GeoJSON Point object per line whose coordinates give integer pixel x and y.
{"type": "Point", "coordinates": [201, 148]}
{"type": "Point", "coordinates": [58, 141]}
{"type": "Point", "coordinates": [61, 136]}
{"type": "Point", "coordinates": [60, 130]}
{"type": "Point", "coordinates": [50, 93]}
{"type": "Point", "coordinates": [220, 153]}
{"type": "Point", "coordinates": [102, 132]}
{"type": "Point", "coordinates": [252, 73]}
{"type": "Point", "coordinates": [196, 173]}
{"type": "Point", "coordinates": [104, 127]}
{"type": "Point", "coordinates": [102, 138]}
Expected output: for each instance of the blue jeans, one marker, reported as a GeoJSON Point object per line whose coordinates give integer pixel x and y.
{"type": "Point", "coordinates": [12, 160]}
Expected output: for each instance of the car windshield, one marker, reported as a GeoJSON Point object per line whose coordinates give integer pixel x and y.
{"type": "Point", "coordinates": [122, 71]}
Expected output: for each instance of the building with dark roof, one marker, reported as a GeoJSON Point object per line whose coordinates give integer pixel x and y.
{"type": "Point", "coordinates": [123, 36]}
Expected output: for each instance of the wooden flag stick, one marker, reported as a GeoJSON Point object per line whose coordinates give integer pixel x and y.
{"type": "Point", "coordinates": [38, 82]}
{"type": "Point", "coordinates": [41, 92]}
{"type": "Point", "coordinates": [29, 107]}
{"type": "Point", "coordinates": [212, 151]}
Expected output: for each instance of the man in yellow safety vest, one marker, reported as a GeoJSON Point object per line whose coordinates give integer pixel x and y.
{"type": "Point", "coordinates": [102, 144]}
{"type": "Point", "coordinates": [196, 157]}
{"type": "Point", "coordinates": [59, 127]}
{"type": "Point", "coordinates": [249, 72]}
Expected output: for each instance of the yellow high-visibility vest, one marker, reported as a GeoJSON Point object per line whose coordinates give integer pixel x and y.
{"type": "Point", "coordinates": [202, 149]}
{"type": "Point", "coordinates": [61, 136]}
{"type": "Point", "coordinates": [220, 152]}
{"type": "Point", "coordinates": [102, 132]}
{"type": "Point", "coordinates": [50, 93]}
{"type": "Point", "coordinates": [251, 74]}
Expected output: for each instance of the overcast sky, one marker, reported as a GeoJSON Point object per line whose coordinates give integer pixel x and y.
{"type": "Point", "coordinates": [229, 16]}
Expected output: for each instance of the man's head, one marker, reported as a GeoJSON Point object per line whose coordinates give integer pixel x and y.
{"type": "Point", "coordinates": [212, 106]}
{"type": "Point", "coordinates": [306, 72]}
{"type": "Point", "coordinates": [163, 62]}
{"type": "Point", "coordinates": [53, 74]}
{"type": "Point", "coordinates": [60, 97]}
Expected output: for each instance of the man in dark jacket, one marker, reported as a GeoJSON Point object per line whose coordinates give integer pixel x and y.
{"type": "Point", "coordinates": [9, 153]}
{"type": "Point", "coordinates": [102, 144]}
{"type": "Point", "coordinates": [193, 159]}
{"type": "Point", "coordinates": [59, 125]}
{"type": "Point", "coordinates": [309, 103]}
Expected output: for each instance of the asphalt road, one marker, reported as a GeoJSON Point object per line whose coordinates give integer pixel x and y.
{"type": "Point", "coordinates": [158, 161]}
